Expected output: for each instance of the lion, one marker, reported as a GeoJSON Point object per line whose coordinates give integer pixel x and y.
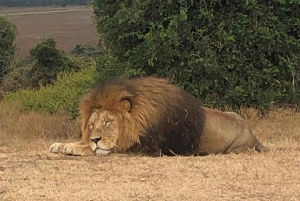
{"type": "Point", "coordinates": [153, 116]}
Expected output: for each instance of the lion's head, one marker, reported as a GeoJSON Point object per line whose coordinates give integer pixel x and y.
{"type": "Point", "coordinates": [104, 127]}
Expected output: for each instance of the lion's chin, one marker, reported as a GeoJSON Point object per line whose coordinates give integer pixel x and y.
{"type": "Point", "coordinates": [101, 152]}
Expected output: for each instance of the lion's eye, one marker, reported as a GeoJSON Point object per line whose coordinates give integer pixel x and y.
{"type": "Point", "coordinates": [91, 126]}
{"type": "Point", "coordinates": [106, 123]}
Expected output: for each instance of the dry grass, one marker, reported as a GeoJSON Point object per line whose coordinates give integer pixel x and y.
{"type": "Point", "coordinates": [29, 172]}
{"type": "Point", "coordinates": [69, 26]}
{"type": "Point", "coordinates": [23, 129]}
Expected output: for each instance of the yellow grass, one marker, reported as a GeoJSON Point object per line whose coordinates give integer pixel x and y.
{"type": "Point", "coordinates": [29, 172]}
{"type": "Point", "coordinates": [19, 130]}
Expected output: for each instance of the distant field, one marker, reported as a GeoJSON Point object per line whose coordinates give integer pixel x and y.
{"type": "Point", "coordinates": [68, 26]}
{"type": "Point", "coordinates": [9, 10]}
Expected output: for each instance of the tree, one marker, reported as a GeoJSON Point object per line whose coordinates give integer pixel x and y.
{"type": "Point", "coordinates": [8, 47]}
{"type": "Point", "coordinates": [223, 52]}
{"type": "Point", "coordinates": [49, 61]}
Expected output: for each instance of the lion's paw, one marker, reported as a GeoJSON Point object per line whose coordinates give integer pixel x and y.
{"type": "Point", "coordinates": [57, 147]}
{"type": "Point", "coordinates": [77, 150]}
{"type": "Point", "coordinates": [71, 148]}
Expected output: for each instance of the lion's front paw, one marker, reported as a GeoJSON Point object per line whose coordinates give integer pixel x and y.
{"type": "Point", "coordinates": [78, 150]}
{"type": "Point", "coordinates": [57, 147]}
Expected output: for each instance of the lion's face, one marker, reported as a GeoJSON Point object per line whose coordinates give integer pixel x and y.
{"type": "Point", "coordinates": [103, 126]}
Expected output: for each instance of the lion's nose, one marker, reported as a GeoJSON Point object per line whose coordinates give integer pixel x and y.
{"type": "Point", "coordinates": [96, 140]}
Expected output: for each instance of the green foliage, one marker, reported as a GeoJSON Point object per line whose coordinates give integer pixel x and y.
{"type": "Point", "coordinates": [110, 67]}
{"type": "Point", "coordinates": [49, 62]}
{"type": "Point", "coordinates": [29, 3]}
{"type": "Point", "coordinates": [238, 53]}
{"type": "Point", "coordinates": [17, 79]}
{"type": "Point", "coordinates": [62, 97]}
{"type": "Point", "coordinates": [8, 33]}
{"type": "Point", "coordinates": [20, 78]}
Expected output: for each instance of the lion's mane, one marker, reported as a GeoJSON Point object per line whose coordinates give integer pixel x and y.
{"type": "Point", "coordinates": [162, 117]}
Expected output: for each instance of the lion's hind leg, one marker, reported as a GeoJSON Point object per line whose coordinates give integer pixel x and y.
{"type": "Point", "coordinates": [260, 147]}
{"type": "Point", "coordinates": [241, 143]}
{"type": "Point", "coordinates": [237, 147]}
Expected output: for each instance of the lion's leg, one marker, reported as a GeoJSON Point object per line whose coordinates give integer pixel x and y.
{"type": "Point", "coordinates": [242, 143]}
{"type": "Point", "coordinates": [78, 149]}
{"type": "Point", "coordinates": [81, 148]}
{"type": "Point", "coordinates": [58, 147]}
{"type": "Point", "coordinates": [246, 141]}
{"type": "Point", "coordinates": [260, 147]}
{"type": "Point", "coordinates": [236, 148]}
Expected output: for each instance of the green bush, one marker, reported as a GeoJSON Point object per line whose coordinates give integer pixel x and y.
{"type": "Point", "coordinates": [62, 97]}
{"type": "Point", "coordinates": [20, 77]}
{"type": "Point", "coordinates": [237, 53]}
{"type": "Point", "coordinates": [8, 47]}
{"type": "Point", "coordinates": [110, 67]}
{"type": "Point", "coordinates": [17, 79]}
{"type": "Point", "coordinates": [49, 61]}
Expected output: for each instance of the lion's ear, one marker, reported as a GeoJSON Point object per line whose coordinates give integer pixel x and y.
{"type": "Point", "coordinates": [125, 104]}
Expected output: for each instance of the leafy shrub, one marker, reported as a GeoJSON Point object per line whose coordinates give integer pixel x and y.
{"type": "Point", "coordinates": [238, 53]}
{"type": "Point", "coordinates": [20, 77]}
{"type": "Point", "coordinates": [17, 79]}
{"type": "Point", "coordinates": [49, 62]}
{"type": "Point", "coordinates": [62, 97]}
{"type": "Point", "coordinates": [109, 67]}
{"type": "Point", "coordinates": [8, 34]}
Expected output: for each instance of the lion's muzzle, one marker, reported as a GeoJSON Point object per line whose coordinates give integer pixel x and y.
{"type": "Point", "coordinates": [96, 140]}
{"type": "Point", "coordinates": [97, 148]}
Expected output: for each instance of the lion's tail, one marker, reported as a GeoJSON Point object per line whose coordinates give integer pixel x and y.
{"type": "Point", "coordinates": [260, 147]}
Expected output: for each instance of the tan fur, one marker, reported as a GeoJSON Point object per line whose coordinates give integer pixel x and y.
{"type": "Point", "coordinates": [227, 132]}
{"type": "Point", "coordinates": [152, 114]}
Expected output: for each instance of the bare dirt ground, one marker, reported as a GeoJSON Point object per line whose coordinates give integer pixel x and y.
{"type": "Point", "coordinates": [69, 26]}
{"type": "Point", "coordinates": [44, 176]}
{"type": "Point", "coordinates": [29, 172]}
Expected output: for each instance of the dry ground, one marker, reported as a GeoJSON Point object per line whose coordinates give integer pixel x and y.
{"type": "Point", "coordinates": [69, 26]}
{"type": "Point", "coordinates": [29, 172]}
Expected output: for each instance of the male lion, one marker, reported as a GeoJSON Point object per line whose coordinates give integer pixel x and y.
{"type": "Point", "coordinates": [153, 116]}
